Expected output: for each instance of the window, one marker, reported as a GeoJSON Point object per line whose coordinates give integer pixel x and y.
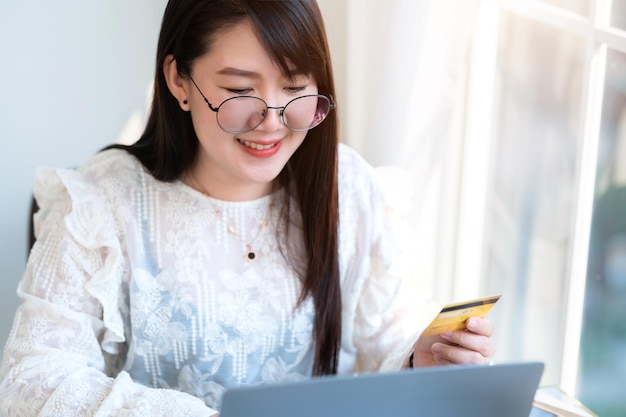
{"type": "Point", "coordinates": [548, 113]}
{"type": "Point", "coordinates": [518, 191]}
{"type": "Point", "coordinates": [603, 343]}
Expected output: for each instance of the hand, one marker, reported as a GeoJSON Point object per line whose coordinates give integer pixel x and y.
{"type": "Point", "coordinates": [471, 346]}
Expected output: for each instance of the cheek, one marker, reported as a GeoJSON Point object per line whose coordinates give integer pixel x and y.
{"type": "Point", "coordinates": [205, 124]}
{"type": "Point", "coordinates": [297, 139]}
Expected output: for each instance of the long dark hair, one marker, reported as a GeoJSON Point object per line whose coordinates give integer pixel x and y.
{"type": "Point", "coordinates": [292, 32]}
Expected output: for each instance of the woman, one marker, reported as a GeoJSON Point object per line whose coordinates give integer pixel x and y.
{"type": "Point", "coordinates": [235, 243]}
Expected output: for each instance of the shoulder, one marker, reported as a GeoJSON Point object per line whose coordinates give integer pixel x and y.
{"type": "Point", "coordinates": [111, 163]}
{"type": "Point", "coordinates": [360, 204]}
{"type": "Point", "coordinates": [83, 197]}
{"type": "Point", "coordinates": [353, 168]}
{"type": "Point", "coordinates": [108, 175]}
{"type": "Point", "coordinates": [114, 174]}
{"type": "Point", "coordinates": [359, 183]}
{"type": "Point", "coordinates": [351, 162]}
{"type": "Point", "coordinates": [372, 199]}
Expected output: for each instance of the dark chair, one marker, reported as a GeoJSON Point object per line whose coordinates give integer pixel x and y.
{"type": "Point", "coordinates": [31, 224]}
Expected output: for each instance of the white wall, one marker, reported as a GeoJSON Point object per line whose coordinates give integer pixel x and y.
{"type": "Point", "coordinates": [72, 74]}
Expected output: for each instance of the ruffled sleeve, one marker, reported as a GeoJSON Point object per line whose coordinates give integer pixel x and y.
{"type": "Point", "coordinates": [383, 308]}
{"type": "Point", "coordinates": [69, 323]}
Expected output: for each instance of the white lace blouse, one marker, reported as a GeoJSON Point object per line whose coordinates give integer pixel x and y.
{"type": "Point", "coordinates": [139, 301]}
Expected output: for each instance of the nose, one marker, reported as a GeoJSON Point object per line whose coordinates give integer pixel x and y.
{"type": "Point", "coordinates": [273, 119]}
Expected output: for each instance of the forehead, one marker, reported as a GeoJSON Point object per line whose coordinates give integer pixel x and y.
{"type": "Point", "coordinates": [237, 51]}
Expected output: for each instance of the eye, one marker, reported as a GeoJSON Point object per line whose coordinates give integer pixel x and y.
{"type": "Point", "coordinates": [296, 89]}
{"type": "Point", "coordinates": [240, 91]}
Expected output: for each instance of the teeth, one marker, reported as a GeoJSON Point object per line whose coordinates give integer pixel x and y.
{"type": "Point", "coordinates": [256, 146]}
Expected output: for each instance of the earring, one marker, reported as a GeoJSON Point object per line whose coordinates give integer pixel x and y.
{"type": "Point", "coordinates": [185, 102]}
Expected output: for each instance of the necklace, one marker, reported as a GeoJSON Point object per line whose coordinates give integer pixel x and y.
{"type": "Point", "coordinates": [251, 253]}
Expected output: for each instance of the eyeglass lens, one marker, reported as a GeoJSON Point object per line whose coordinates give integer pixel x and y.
{"type": "Point", "coordinates": [242, 114]}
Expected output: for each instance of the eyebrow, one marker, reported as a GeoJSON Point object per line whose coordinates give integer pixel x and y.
{"type": "Point", "coordinates": [238, 72]}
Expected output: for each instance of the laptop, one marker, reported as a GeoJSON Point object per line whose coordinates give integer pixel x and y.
{"type": "Point", "coordinates": [498, 390]}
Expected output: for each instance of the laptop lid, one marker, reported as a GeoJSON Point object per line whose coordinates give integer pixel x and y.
{"type": "Point", "coordinates": [460, 390]}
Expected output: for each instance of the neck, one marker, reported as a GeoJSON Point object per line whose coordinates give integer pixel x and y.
{"type": "Point", "coordinates": [226, 191]}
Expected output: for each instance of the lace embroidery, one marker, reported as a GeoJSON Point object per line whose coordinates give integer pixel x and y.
{"type": "Point", "coordinates": [138, 269]}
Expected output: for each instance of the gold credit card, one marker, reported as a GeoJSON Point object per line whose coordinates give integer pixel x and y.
{"type": "Point", "coordinates": [453, 316]}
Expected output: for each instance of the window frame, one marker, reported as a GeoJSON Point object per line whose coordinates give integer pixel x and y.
{"type": "Point", "coordinates": [598, 37]}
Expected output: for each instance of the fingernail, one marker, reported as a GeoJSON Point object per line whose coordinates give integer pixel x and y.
{"type": "Point", "coordinates": [446, 335]}
{"type": "Point", "coordinates": [437, 348]}
{"type": "Point", "coordinates": [471, 323]}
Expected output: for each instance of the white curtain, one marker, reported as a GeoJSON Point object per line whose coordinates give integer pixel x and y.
{"type": "Point", "coordinates": [401, 67]}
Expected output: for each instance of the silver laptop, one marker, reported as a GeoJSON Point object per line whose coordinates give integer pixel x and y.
{"type": "Point", "coordinates": [503, 390]}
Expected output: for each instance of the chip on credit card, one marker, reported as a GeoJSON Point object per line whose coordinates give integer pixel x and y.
{"type": "Point", "coordinates": [453, 316]}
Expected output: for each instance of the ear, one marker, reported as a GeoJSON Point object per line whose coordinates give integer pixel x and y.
{"type": "Point", "coordinates": [176, 84]}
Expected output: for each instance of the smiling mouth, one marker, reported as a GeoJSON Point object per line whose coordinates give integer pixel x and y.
{"type": "Point", "coordinates": [256, 146]}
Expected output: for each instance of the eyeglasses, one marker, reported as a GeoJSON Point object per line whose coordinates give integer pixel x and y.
{"type": "Point", "coordinates": [242, 114]}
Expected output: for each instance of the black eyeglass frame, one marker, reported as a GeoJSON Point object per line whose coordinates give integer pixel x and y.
{"type": "Point", "coordinates": [331, 103]}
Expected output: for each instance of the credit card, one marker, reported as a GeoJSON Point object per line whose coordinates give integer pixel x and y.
{"type": "Point", "coordinates": [453, 316]}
